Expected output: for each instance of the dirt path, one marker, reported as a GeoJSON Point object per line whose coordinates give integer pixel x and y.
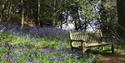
{"type": "Point", "coordinates": [116, 58]}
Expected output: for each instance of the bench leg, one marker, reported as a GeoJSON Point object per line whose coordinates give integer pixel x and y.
{"type": "Point", "coordinates": [71, 45]}
{"type": "Point", "coordinates": [112, 48]}
{"type": "Point", "coordinates": [82, 46]}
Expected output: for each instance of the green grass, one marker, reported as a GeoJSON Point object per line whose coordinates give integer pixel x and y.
{"type": "Point", "coordinates": [21, 55]}
{"type": "Point", "coordinates": [25, 50]}
{"type": "Point", "coordinates": [43, 41]}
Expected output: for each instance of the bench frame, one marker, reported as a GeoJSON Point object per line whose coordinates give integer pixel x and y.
{"type": "Point", "coordinates": [83, 40]}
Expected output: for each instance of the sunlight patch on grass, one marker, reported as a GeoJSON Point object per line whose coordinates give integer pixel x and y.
{"type": "Point", "coordinates": [44, 41]}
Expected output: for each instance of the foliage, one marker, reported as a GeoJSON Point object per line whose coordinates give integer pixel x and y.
{"type": "Point", "coordinates": [34, 44]}
{"type": "Point", "coordinates": [47, 12]}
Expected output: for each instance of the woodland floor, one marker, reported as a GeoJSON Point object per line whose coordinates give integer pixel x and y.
{"type": "Point", "coordinates": [116, 58]}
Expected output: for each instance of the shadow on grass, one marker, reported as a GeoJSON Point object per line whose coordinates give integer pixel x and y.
{"type": "Point", "coordinates": [96, 52]}
{"type": "Point", "coordinates": [108, 57]}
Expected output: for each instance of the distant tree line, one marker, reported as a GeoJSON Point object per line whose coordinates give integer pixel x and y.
{"type": "Point", "coordinates": [109, 13]}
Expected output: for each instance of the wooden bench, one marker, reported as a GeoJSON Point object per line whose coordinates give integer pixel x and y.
{"type": "Point", "coordinates": [84, 39]}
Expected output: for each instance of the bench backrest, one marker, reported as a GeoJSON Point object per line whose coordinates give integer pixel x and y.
{"type": "Point", "coordinates": [84, 36]}
{"type": "Point", "coordinates": [77, 36]}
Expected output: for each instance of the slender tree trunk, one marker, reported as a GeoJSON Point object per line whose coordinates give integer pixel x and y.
{"type": "Point", "coordinates": [85, 27]}
{"type": "Point", "coordinates": [22, 15]}
{"type": "Point", "coordinates": [103, 17]}
{"type": "Point", "coordinates": [38, 17]}
{"type": "Point", "coordinates": [4, 7]}
{"type": "Point", "coordinates": [79, 21]}
{"type": "Point", "coordinates": [10, 10]}
{"type": "Point", "coordinates": [54, 14]}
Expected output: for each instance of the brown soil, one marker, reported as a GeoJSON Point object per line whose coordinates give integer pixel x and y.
{"type": "Point", "coordinates": [116, 58]}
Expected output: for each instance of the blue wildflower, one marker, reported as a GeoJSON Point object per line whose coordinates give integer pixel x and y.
{"type": "Point", "coordinates": [33, 39]}
{"type": "Point", "coordinates": [39, 53]}
{"type": "Point", "coordinates": [44, 53]}
{"type": "Point", "coordinates": [91, 59]}
{"type": "Point", "coordinates": [37, 62]}
{"type": "Point", "coordinates": [29, 60]}
{"type": "Point", "coordinates": [2, 30]}
{"type": "Point", "coordinates": [51, 57]}
{"type": "Point", "coordinates": [61, 52]}
{"type": "Point", "coordinates": [16, 57]}
{"type": "Point", "coordinates": [50, 50]}
{"type": "Point", "coordinates": [27, 36]}
{"type": "Point", "coordinates": [77, 57]}
{"type": "Point", "coordinates": [61, 59]}
{"type": "Point", "coordinates": [34, 56]}
{"type": "Point", "coordinates": [22, 52]}
{"type": "Point", "coordinates": [0, 58]}
{"type": "Point", "coordinates": [33, 48]}
{"type": "Point", "coordinates": [55, 58]}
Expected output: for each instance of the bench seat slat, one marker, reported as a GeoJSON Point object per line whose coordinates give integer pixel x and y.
{"type": "Point", "coordinates": [96, 45]}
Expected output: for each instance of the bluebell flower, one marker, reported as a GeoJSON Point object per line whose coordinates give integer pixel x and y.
{"type": "Point", "coordinates": [61, 52]}
{"type": "Point", "coordinates": [22, 52]}
{"type": "Point", "coordinates": [33, 48]}
{"type": "Point", "coordinates": [55, 58]}
{"type": "Point", "coordinates": [61, 59]}
{"type": "Point", "coordinates": [27, 36]}
{"type": "Point", "coordinates": [29, 60]}
{"type": "Point", "coordinates": [34, 29]}
{"type": "Point", "coordinates": [3, 29]}
{"type": "Point", "coordinates": [77, 57]}
{"type": "Point", "coordinates": [91, 59]}
{"type": "Point", "coordinates": [34, 56]}
{"type": "Point", "coordinates": [33, 39]}
{"type": "Point", "coordinates": [44, 53]}
{"type": "Point", "coordinates": [51, 57]}
{"type": "Point", "coordinates": [37, 62]}
{"type": "Point", "coordinates": [39, 53]}
{"type": "Point", "coordinates": [16, 57]}
{"type": "Point", "coordinates": [0, 58]}
{"type": "Point", "coordinates": [65, 57]}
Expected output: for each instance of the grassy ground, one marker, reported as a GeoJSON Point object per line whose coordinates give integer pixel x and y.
{"type": "Point", "coordinates": [22, 49]}
{"type": "Point", "coordinates": [43, 45]}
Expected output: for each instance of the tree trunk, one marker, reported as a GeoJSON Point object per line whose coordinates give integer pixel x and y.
{"type": "Point", "coordinates": [121, 18]}
{"type": "Point", "coordinates": [38, 17]}
{"type": "Point", "coordinates": [22, 20]}
{"type": "Point", "coordinates": [55, 13]}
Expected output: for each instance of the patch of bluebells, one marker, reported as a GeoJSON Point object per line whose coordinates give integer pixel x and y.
{"type": "Point", "coordinates": [55, 58]}
{"type": "Point", "coordinates": [2, 27]}
{"type": "Point", "coordinates": [44, 53]}
{"type": "Point", "coordinates": [50, 31]}
{"type": "Point", "coordinates": [15, 59]}
{"type": "Point", "coordinates": [60, 55]}
{"type": "Point", "coordinates": [47, 50]}
{"type": "Point", "coordinates": [15, 29]}
{"type": "Point", "coordinates": [34, 55]}
{"type": "Point", "coordinates": [55, 55]}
